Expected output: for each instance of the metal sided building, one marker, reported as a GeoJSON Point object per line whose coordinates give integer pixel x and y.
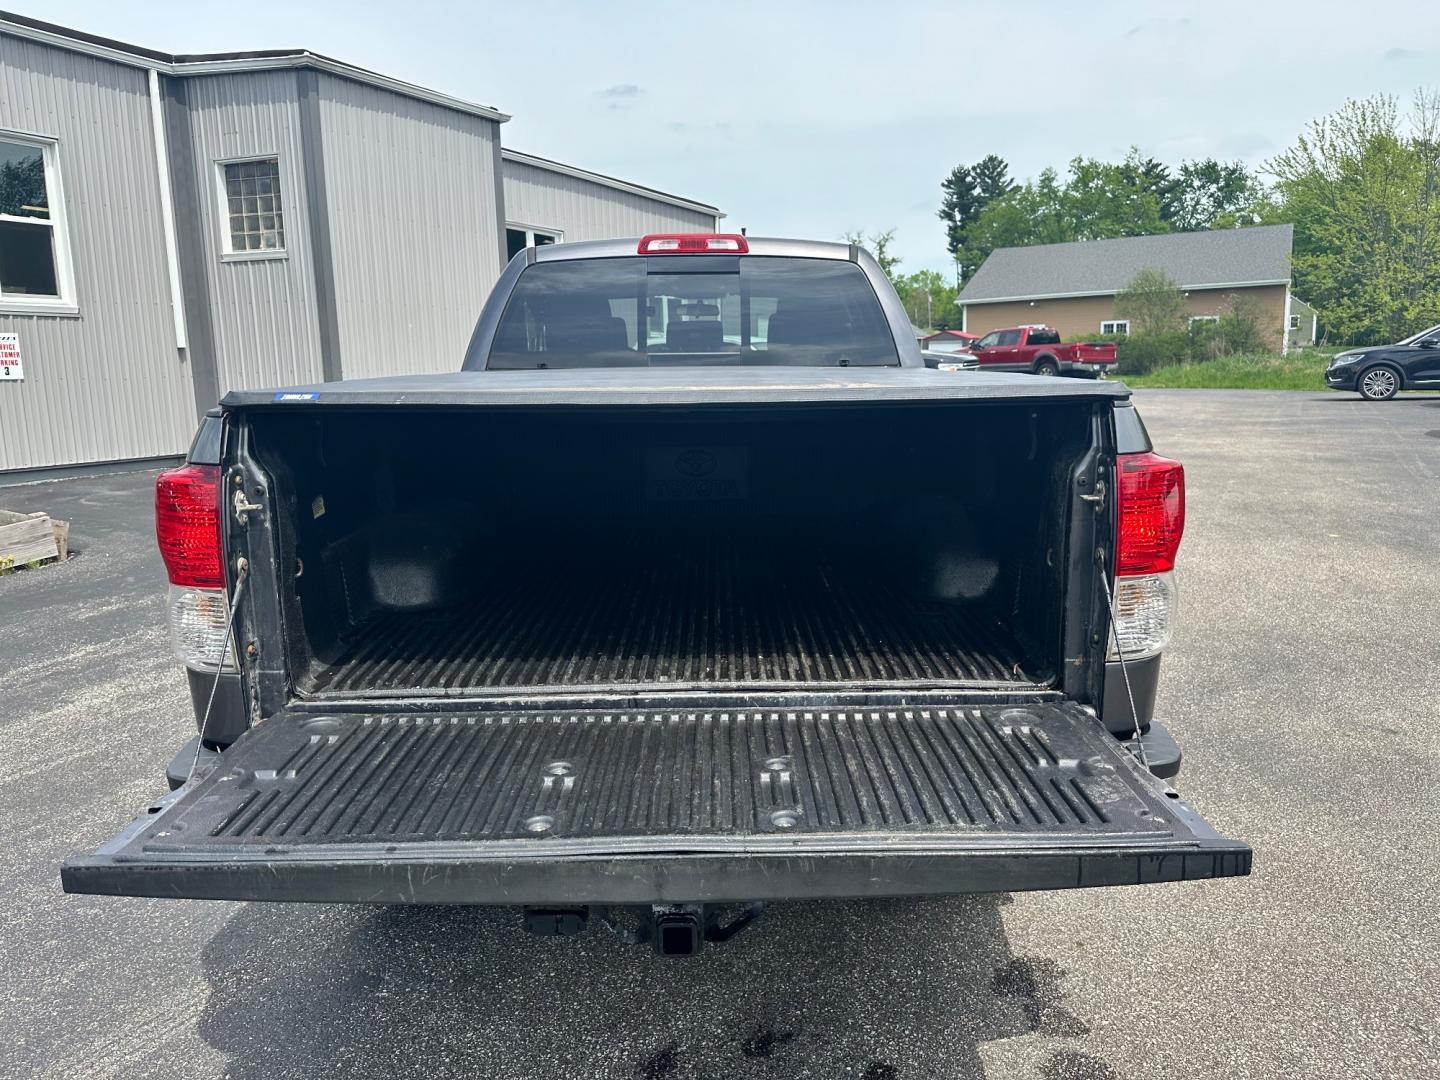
{"type": "Point", "coordinates": [173, 227]}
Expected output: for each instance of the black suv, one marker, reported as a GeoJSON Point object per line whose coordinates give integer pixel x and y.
{"type": "Point", "coordinates": [1379, 372]}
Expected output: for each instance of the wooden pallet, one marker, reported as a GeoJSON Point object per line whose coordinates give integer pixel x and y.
{"type": "Point", "coordinates": [26, 539]}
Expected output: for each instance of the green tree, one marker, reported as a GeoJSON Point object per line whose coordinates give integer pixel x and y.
{"type": "Point", "coordinates": [1105, 199]}
{"type": "Point", "coordinates": [1363, 189]}
{"type": "Point", "coordinates": [1152, 302]}
{"type": "Point", "coordinates": [929, 298]}
{"type": "Point", "coordinates": [1240, 328]}
{"type": "Point", "coordinates": [1214, 194]}
{"type": "Point", "coordinates": [1093, 201]}
{"type": "Point", "coordinates": [1034, 213]}
{"type": "Point", "coordinates": [1154, 177]}
{"type": "Point", "coordinates": [964, 195]}
{"type": "Point", "coordinates": [992, 178]}
{"type": "Point", "coordinates": [959, 207]}
{"type": "Point", "coordinates": [878, 244]}
{"type": "Point", "coordinates": [1096, 200]}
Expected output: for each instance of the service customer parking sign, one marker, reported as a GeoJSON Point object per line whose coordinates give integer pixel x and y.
{"type": "Point", "coordinates": [11, 367]}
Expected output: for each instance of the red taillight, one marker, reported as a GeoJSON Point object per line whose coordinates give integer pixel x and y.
{"type": "Point", "coordinates": [1152, 513]}
{"type": "Point", "coordinates": [694, 244]}
{"type": "Point", "coordinates": [187, 525]}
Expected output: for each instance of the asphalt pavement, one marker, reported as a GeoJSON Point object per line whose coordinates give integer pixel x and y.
{"type": "Point", "coordinates": [1304, 685]}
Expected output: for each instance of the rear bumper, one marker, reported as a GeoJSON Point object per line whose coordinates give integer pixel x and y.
{"type": "Point", "coordinates": [662, 807]}
{"type": "Point", "coordinates": [1083, 367]}
{"type": "Point", "coordinates": [228, 719]}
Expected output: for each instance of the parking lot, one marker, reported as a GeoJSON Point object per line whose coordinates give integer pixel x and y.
{"type": "Point", "coordinates": [1304, 684]}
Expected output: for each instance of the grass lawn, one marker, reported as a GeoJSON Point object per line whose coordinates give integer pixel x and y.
{"type": "Point", "coordinates": [1301, 370]}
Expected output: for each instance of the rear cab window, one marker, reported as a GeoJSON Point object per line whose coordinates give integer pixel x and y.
{"type": "Point", "coordinates": [671, 310]}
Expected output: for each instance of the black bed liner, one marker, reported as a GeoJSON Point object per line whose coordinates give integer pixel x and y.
{"type": "Point", "coordinates": [720, 617]}
{"type": "Point", "coordinates": [743, 804]}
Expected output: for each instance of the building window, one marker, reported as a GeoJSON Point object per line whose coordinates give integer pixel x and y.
{"type": "Point", "coordinates": [519, 237]}
{"type": "Point", "coordinates": [1115, 326]}
{"type": "Point", "coordinates": [1204, 319]}
{"type": "Point", "coordinates": [1294, 322]}
{"type": "Point", "coordinates": [35, 270]}
{"type": "Point", "coordinates": [250, 194]}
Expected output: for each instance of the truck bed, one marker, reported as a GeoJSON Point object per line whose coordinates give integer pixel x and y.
{"type": "Point", "coordinates": [723, 615]}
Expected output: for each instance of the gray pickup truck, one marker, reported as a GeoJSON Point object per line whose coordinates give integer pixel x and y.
{"type": "Point", "coordinates": [694, 589]}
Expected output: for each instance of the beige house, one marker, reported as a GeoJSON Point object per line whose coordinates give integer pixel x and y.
{"type": "Point", "coordinates": [1072, 287]}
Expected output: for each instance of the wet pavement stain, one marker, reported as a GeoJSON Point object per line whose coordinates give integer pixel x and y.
{"type": "Point", "coordinates": [661, 1064]}
{"type": "Point", "coordinates": [764, 1041]}
{"type": "Point", "coordinates": [1035, 984]}
{"type": "Point", "coordinates": [1066, 1065]}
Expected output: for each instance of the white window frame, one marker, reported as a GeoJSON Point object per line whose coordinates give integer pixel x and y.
{"type": "Point", "coordinates": [1203, 318]}
{"type": "Point", "coordinates": [1295, 323]}
{"type": "Point", "coordinates": [222, 208]}
{"type": "Point", "coordinates": [65, 303]}
{"type": "Point", "coordinates": [531, 230]}
{"type": "Point", "coordinates": [1115, 326]}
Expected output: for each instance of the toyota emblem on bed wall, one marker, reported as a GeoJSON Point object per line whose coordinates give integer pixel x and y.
{"type": "Point", "coordinates": [696, 473]}
{"type": "Point", "coordinates": [695, 463]}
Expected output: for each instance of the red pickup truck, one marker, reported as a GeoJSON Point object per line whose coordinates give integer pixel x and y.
{"type": "Point", "coordinates": [1038, 349]}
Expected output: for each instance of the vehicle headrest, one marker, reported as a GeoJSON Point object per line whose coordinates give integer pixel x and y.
{"type": "Point", "coordinates": [700, 335]}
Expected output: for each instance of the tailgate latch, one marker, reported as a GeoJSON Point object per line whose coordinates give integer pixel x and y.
{"type": "Point", "coordinates": [243, 506]}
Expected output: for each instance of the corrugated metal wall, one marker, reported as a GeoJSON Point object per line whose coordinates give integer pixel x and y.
{"type": "Point", "coordinates": [585, 210]}
{"type": "Point", "coordinates": [266, 332]}
{"type": "Point", "coordinates": [110, 383]}
{"type": "Point", "coordinates": [410, 193]}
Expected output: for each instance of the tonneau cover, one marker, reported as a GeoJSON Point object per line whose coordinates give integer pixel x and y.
{"type": "Point", "coordinates": [679, 386]}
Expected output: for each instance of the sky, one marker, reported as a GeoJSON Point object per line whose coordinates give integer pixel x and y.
{"type": "Point", "coordinates": [819, 119]}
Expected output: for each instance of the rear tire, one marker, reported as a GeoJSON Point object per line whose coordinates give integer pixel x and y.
{"type": "Point", "coordinates": [1046, 366]}
{"type": "Point", "coordinates": [1378, 383]}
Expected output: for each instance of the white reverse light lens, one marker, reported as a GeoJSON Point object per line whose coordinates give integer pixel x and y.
{"type": "Point", "coordinates": [1144, 615]}
{"type": "Point", "coordinates": [197, 628]}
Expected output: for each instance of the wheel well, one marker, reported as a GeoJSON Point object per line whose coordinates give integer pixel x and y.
{"type": "Point", "coordinates": [1047, 356]}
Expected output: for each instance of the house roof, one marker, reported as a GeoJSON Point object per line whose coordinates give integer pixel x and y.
{"type": "Point", "coordinates": [953, 333]}
{"type": "Point", "coordinates": [1195, 260]}
{"type": "Point", "coordinates": [223, 63]}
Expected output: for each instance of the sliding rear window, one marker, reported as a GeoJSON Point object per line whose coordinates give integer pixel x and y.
{"type": "Point", "coordinates": [693, 310]}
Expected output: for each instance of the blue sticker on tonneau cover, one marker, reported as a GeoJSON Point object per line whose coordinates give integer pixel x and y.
{"type": "Point", "coordinates": [309, 396]}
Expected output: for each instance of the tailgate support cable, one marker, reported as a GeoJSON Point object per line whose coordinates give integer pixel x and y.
{"type": "Point", "coordinates": [1120, 655]}
{"type": "Point", "coordinates": [242, 569]}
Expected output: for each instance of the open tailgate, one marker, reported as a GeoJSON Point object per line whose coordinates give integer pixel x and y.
{"type": "Point", "coordinates": [662, 806]}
